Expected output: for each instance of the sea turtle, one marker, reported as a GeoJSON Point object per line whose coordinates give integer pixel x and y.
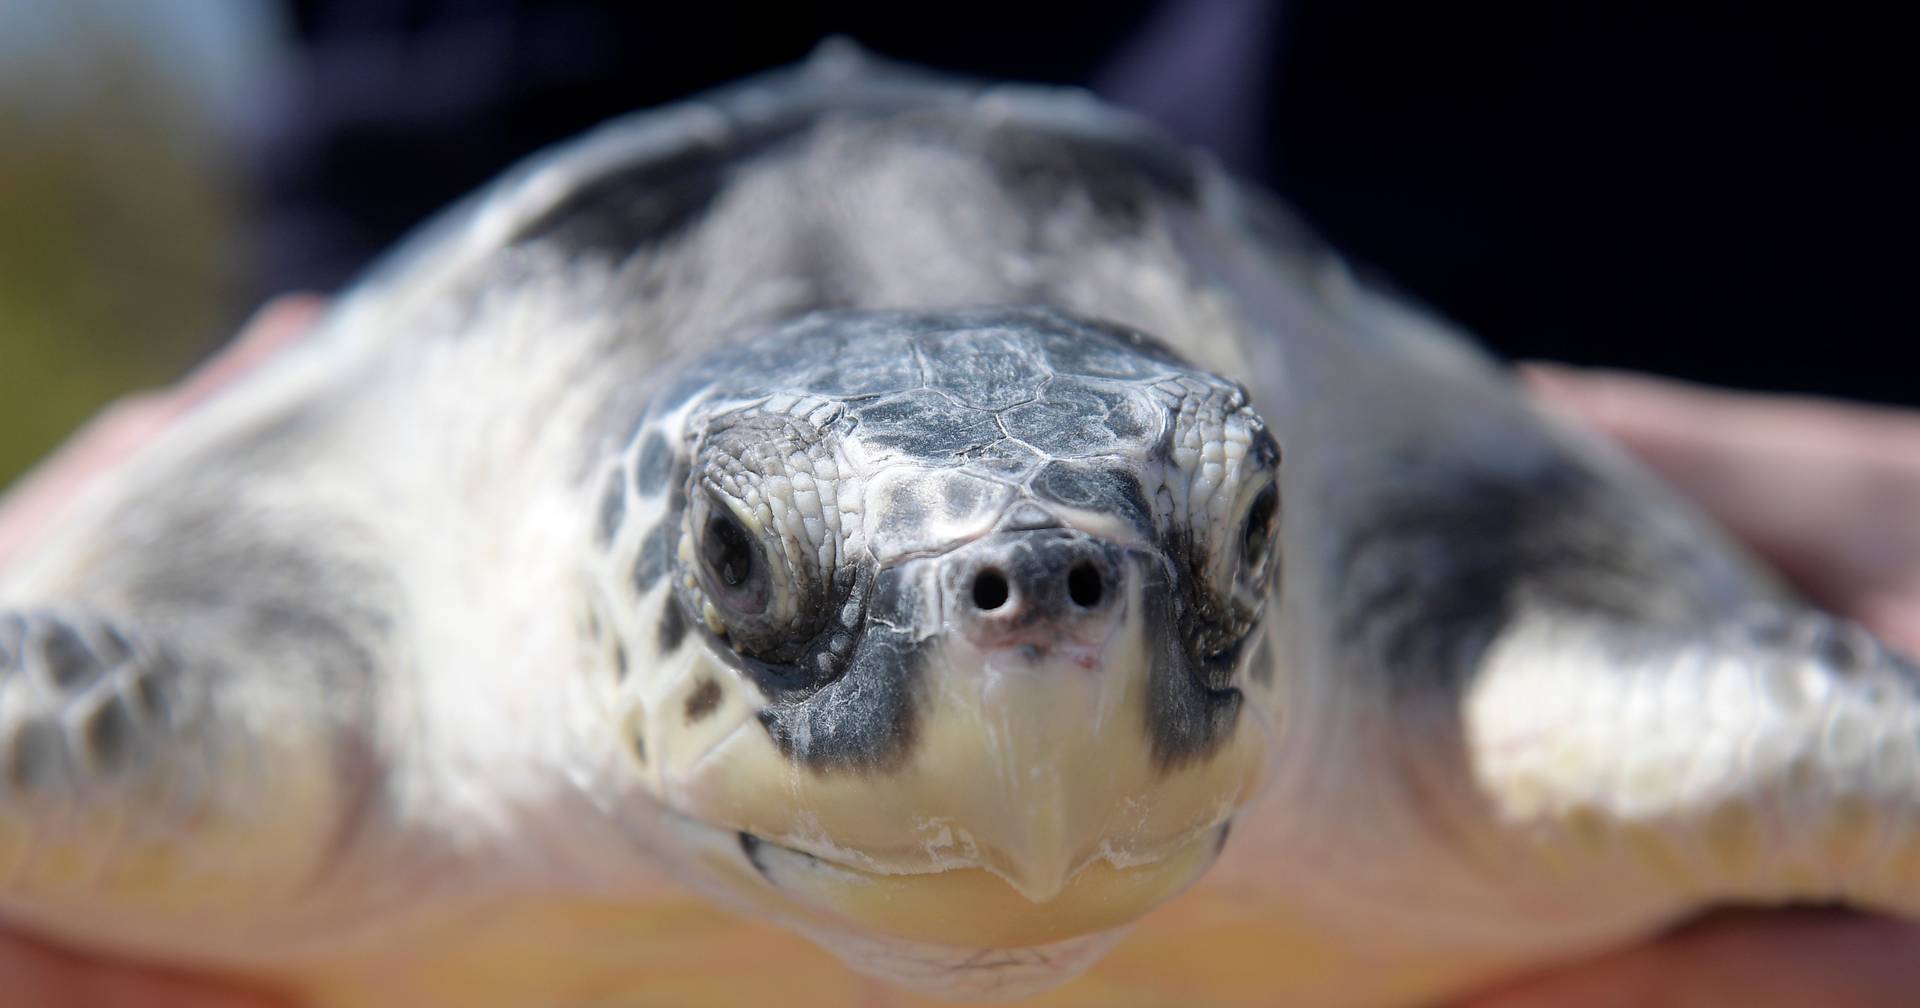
{"type": "Point", "coordinates": [928, 518]}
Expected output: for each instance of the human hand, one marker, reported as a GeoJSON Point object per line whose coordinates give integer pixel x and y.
{"type": "Point", "coordinates": [1830, 494]}
{"type": "Point", "coordinates": [32, 973]}
{"type": "Point", "coordinates": [36, 975]}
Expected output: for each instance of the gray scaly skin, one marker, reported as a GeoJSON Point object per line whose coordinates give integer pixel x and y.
{"type": "Point", "coordinates": [825, 497]}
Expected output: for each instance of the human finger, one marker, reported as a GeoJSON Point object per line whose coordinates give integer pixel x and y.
{"type": "Point", "coordinates": [36, 975]}
{"type": "Point", "coordinates": [1755, 959]}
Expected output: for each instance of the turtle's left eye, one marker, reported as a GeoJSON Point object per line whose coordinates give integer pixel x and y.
{"type": "Point", "coordinates": [735, 565]}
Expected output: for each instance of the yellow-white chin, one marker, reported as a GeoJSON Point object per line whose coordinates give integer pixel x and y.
{"type": "Point", "coordinates": [966, 933]}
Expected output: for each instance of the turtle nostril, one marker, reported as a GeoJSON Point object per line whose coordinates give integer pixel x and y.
{"type": "Point", "coordinates": [1083, 585]}
{"type": "Point", "coordinates": [990, 589]}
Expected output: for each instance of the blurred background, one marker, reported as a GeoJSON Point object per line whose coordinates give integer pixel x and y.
{"type": "Point", "coordinates": [1726, 196]}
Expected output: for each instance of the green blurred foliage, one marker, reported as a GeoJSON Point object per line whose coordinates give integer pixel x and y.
{"type": "Point", "coordinates": [116, 231]}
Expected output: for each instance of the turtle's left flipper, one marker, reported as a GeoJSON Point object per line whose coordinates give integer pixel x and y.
{"type": "Point", "coordinates": [1775, 757]}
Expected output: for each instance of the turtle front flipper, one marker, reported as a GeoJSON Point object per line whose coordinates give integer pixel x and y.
{"type": "Point", "coordinates": [1772, 758]}
{"type": "Point", "coordinates": [131, 793]}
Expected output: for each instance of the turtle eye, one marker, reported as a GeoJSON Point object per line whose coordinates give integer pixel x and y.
{"type": "Point", "coordinates": [1256, 534]}
{"type": "Point", "coordinates": [735, 566]}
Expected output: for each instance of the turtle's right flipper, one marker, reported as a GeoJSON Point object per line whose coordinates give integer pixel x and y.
{"type": "Point", "coordinates": [120, 787]}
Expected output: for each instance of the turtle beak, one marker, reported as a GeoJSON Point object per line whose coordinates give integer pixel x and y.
{"type": "Point", "coordinates": [1038, 726]}
{"type": "Point", "coordinates": [1031, 806]}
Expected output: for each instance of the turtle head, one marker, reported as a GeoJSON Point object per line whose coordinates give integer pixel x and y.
{"type": "Point", "coordinates": [951, 613]}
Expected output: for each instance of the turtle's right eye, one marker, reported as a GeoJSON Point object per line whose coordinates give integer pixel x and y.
{"type": "Point", "coordinates": [736, 569]}
{"type": "Point", "coordinates": [1256, 531]}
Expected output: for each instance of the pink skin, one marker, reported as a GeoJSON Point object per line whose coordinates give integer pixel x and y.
{"type": "Point", "coordinates": [34, 503]}
{"type": "Point", "coordinates": [1830, 492]}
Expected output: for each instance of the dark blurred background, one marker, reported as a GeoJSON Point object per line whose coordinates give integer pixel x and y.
{"type": "Point", "coordinates": [1722, 195]}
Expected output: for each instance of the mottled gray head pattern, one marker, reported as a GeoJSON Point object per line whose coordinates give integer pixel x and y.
{"type": "Point", "coordinates": [964, 593]}
{"type": "Point", "coordinates": [829, 457]}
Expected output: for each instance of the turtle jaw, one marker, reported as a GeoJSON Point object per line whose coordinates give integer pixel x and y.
{"type": "Point", "coordinates": [975, 907]}
{"type": "Point", "coordinates": [966, 934]}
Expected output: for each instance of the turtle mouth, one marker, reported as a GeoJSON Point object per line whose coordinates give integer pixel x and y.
{"type": "Point", "coordinates": [975, 907]}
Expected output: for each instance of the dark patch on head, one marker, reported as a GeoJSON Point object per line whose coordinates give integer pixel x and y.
{"type": "Point", "coordinates": [619, 661]}
{"type": "Point", "coordinates": [849, 355]}
{"type": "Point", "coordinates": [1076, 419]}
{"type": "Point", "coordinates": [703, 701]}
{"type": "Point", "coordinates": [865, 719]}
{"type": "Point", "coordinates": [1187, 717]}
{"type": "Point", "coordinates": [613, 506]}
{"type": "Point", "coordinates": [673, 627]}
{"type": "Point", "coordinates": [656, 555]}
{"type": "Point", "coordinates": [926, 424]}
{"type": "Point", "coordinates": [654, 466]}
{"type": "Point", "coordinates": [1111, 491]}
